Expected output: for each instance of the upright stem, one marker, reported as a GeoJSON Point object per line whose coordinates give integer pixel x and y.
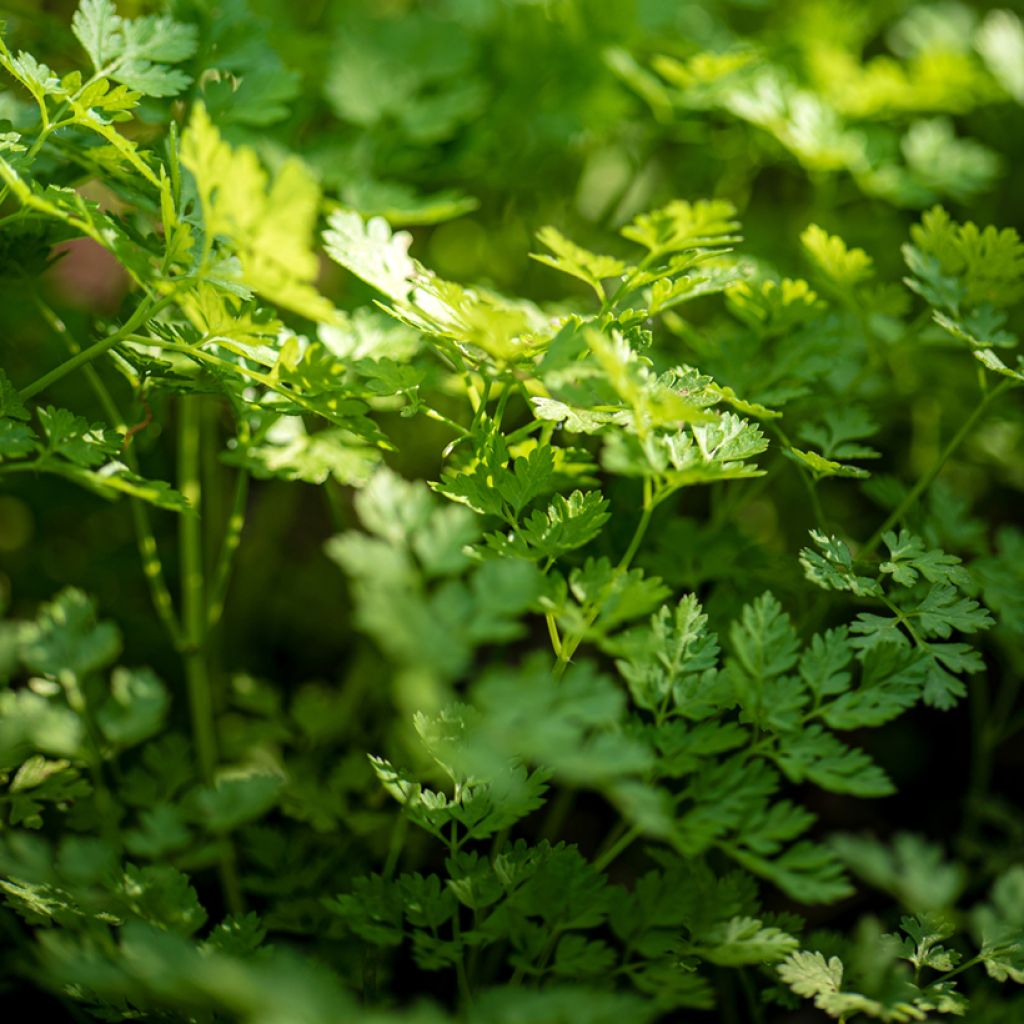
{"type": "Point", "coordinates": [194, 620]}
{"type": "Point", "coordinates": [229, 546]}
{"type": "Point", "coordinates": [641, 527]}
{"type": "Point", "coordinates": [465, 991]}
{"type": "Point", "coordinates": [193, 605]}
{"type": "Point", "coordinates": [928, 478]}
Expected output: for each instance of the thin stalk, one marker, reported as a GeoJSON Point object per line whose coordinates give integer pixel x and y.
{"type": "Point", "coordinates": [153, 570]}
{"type": "Point", "coordinates": [460, 964]}
{"type": "Point", "coordinates": [556, 640]}
{"type": "Point", "coordinates": [928, 478]}
{"type": "Point", "coordinates": [626, 840]}
{"type": "Point", "coordinates": [146, 310]}
{"type": "Point", "coordinates": [396, 842]}
{"type": "Point", "coordinates": [193, 588]}
{"type": "Point", "coordinates": [193, 604]}
{"type": "Point", "coordinates": [229, 547]}
{"type": "Point", "coordinates": [965, 966]}
{"type": "Point", "coordinates": [756, 1008]}
{"type": "Point", "coordinates": [641, 527]}
{"type": "Point", "coordinates": [433, 414]}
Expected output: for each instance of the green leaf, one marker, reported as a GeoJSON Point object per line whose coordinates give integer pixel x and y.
{"type": "Point", "coordinates": [16, 440]}
{"type": "Point", "coordinates": [843, 269]}
{"type": "Point", "coordinates": [682, 225]}
{"type": "Point", "coordinates": [30, 723]}
{"type": "Point", "coordinates": [943, 610]}
{"type": "Point", "coordinates": [267, 223]}
{"type": "Point", "coordinates": [576, 261]}
{"type": "Point", "coordinates": [819, 757]}
{"type": "Point", "coordinates": [992, 362]}
{"type": "Point", "coordinates": [72, 438]}
{"type": "Point", "coordinates": [922, 945]}
{"type": "Point", "coordinates": [911, 869]}
{"type": "Point", "coordinates": [135, 709]}
{"type": "Point", "coordinates": [67, 638]}
{"type": "Point", "coordinates": [841, 430]}
{"type": "Point", "coordinates": [674, 659]}
{"type": "Point", "coordinates": [821, 467]}
{"type": "Point", "coordinates": [833, 569]}
{"type": "Point", "coordinates": [136, 51]}
{"type": "Point", "coordinates": [773, 307]}
{"type": "Point", "coordinates": [999, 925]}
{"type": "Point", "coordinates": [810, 974]}
{"type": "Point", "coordinates": [987, 265]}
{"type": "Point", "coordinates": [568, 523]}
{"type": "Point", "coordinates": [577, 957]}
{"type": "Point", "coordinates": [892, 680]}
{"type": "Point", "coordinates": [290, 453]}
{"type": "Point", "coordinates": [571, 726]}
{"type": "Point", "coordinates": [236, 799]}
{"type": "Point", "coordinates": [614, 597]}
{"type": "Point", "coordinates": [744, 940]}
{"type": "Point", "coordinates": [369, 250]}
{"type": "Point", "coordinates": [531, 476]}
{"type": "Point", "coordinates": [806, 871]}
{"type": "Point", "coordinates": [1000, 41]}
{"type": "Point", "coordinates": [908, 558]}
{"type": "Point", "coordinates": [764, 642]}
{"type": "Point", "coordinates": [163, 896]}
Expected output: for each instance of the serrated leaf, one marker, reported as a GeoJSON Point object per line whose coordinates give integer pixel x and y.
{"type": "Point", "coordinates": [269, 223]}
{"type": "Point", "coordinates": [576, 261]}
{"type": "Point", "coordinates": [136, 51]}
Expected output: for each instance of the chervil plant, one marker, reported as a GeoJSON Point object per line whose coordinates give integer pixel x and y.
{"type": "Point", "coordinates": [633, 632]}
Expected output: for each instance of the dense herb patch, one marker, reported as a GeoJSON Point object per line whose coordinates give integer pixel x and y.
{"type": "Point", "coordinates": [519, 630]}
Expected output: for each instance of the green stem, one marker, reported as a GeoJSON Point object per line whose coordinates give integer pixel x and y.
{"type": "Point", "coordinates": [193, 605]}
{"type": "Point", "coordinates": [193, 587]}
{"type": "Point", "coordinates": [965, 966]}
{"type": "Point", "coordinates": [146, 310]}
{"type": "Point", "coordinates": [460, 963]}
{"type": "Point", "coordinates": [153, 570]}
{"type": "Point", "coordinates": [556, 641]}
{"type": "Point", "coordinates": [396, 842]}
{"type": "Point", "coordinates": [641, 527]}
{"type": "Point", "coordinates": [756, 1009]}
{"type": "Point", "coordinates": [928, 478]}
{"type": "Point", "coordinates": [626, 840]}
{"type": "Point", "coordinates": [433, 414]}
{"type": "Point", "coordinates": [229, 547]}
